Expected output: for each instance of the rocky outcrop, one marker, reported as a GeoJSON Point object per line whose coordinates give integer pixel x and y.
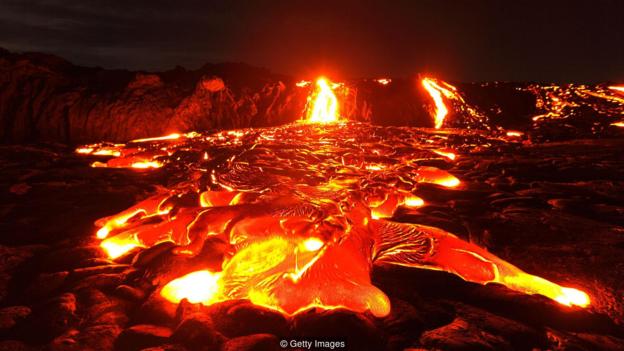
{"type": "Point", "coordinates": [44, 98]}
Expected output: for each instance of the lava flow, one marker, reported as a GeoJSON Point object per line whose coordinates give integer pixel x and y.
{"type": "Point", "coordinates": [567, 101]}
{"type": "Point", "coordinates": [439, 91]}
{"type": "Point", "coordinates": [322, 104]}
{"type": "Point", "coordinates": [303, 212]}
{"type": "Point", "coordinates": [436, 92]}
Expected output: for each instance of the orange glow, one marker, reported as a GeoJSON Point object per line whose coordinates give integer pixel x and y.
{"type": "Point", "coordinates": [280, 273]}
{"type": "Point", "coordinates": [514, 133]}
{"type": "Point", "coordinates": [475, 264]}
{"type": "Point", "coordinates": [313, 244]}
{"type": "Point", "coordinates": [436, 91]}
{"type": "Point", "coordinates": [446, 153]}
{"type": "Point", "coordinates": [573, 297]}
{"type": "Point", "coordinates": [116, 222]}
{"type": "Point", "coordinates": [107, 152]}
{"type": "Point", "coordinates": [385, 207]}
{"type": "Point", "coordinates": [531, 284]}
{"type": "Point", "coordinates": [383, 81]}
{"type": "Point", "coordinates": [146, 164]}
{"type": "Point", "coordinates": [219, 198]}
{"type": "Point", "coordinates": [618, 124]}
{"type": "Point", "coordinates": [117, 246]}
{"type": "Point", "coordinates": [302, 83]}
{"type": "Point", "coordinates": [153, 206]}
{"type": "Point", "coordinates": [324, 104]}
{"type": "Point", "coordinates": [374, 167]}
{"type": "Point", "coordinates": [173, 136]}
{"type": "Point", "coordinates": [311, 235]}
{"type": "Point", "coordinates": [137, 159]}
{"type": "Point", "coordinates": [198, 287]}
{"type": "Point", "coordinates": [414, 201]}
{"type": "Point", "coordinates": [100, 150]}
{"type": "Point", "coordinates": [619, 89]}
{"type": "Point", "coordinates": [434, 175]}
{"type": "Point", "coordinates": [84, 150]}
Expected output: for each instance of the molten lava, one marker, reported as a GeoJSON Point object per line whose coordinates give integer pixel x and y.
{"type": "Point", "coordinates": [514, 134]}
{"type": "Point", "coordinates": [322, 104]}
{"type": "Point", "coordinates": [619, 89]}
{"type": "Point", "coordinates": [304, 211]}
{"type": "Point", "coordinates": [446, 153]}
{"type": "Point", "coordinates": [197, 287]}
{"type": "Point", "coordinates": [173, 136]}
{"type": "Point", "coordinates": [302, 83]}
{"type": "Point", "coordinates": [561, 102]}
{"type": "Point", "coordinates": [445, 98]}
{"type": "Point", "coordinates": [438, 92]}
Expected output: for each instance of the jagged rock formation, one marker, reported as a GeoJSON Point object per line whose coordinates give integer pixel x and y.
{"type": "Point", "coordinates": [44, 98]}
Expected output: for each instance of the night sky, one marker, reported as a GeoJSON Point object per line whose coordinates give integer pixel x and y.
{"type": "Point", "coordinates": [574, 40]}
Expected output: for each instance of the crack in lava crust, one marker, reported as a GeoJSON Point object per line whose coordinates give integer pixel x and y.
{"type": "Point", "coordinates": [304, 211]}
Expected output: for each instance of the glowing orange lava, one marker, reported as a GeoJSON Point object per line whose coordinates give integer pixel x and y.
{"type": "Point", "coordinates": [304, 213]}
{"type": "Point", "coordinates": [619, 89]}
{"type": "Point", "coordinates": [514, 133]}
{"type": "Point", "coordinates": [283, 274]}
{"type": "Point", "coordinates": [323, 104]}
{"type": "Point", "coordinates": [173, 136]}
{"type": "Point", "coordinates": [146, 164]}
{"type": "Point", "coordinates": [198, 287]}
{"type": "Point", "coordinates": [302, 83]}
{"type": "Point", "coordinates": [426, 174]}
{"type": "Point", "coordinates": [446, 153]}
{"type": "Point", "coordinates": [436, 91]}
{"type": "Point", "coordinates": [96, 150]}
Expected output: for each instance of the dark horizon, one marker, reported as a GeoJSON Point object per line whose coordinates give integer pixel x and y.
{"type": "Point", "coordinates": [482, 40]}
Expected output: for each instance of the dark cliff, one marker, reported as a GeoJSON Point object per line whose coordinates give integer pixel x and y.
{"type": "Point", "coordinates": [44, 98]}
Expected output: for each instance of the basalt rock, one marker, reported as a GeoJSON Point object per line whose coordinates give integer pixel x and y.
{"type": "Point", "coordinates": [45, 98]}
{"type": "Point", "coordinates": [142, 336]}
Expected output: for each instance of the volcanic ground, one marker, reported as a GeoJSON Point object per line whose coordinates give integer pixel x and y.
{"type": "Point", "coordinates": [554, 209]}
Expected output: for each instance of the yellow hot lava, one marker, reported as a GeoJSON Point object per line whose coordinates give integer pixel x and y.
{"type": "Point", "coordinates": [173, 136]}
{"type": "Point", "coordinates": [280, 273]}
{"type": "Point", "coordinates": [291, 262]}
{"type": "Point", "coordinates": [146, 164]}
{"type": "Point", "coordinates": [436, 91]}
{"type": "Point", "coordinates": [531, 284]}
{"type": "Point", "coordinates": [117, 246]}
{"type": "Point", "coordinates": [514, 133]}
{"type": "Point", "coordinates": [198, 287]}
{"type": "Point", "coordinates": [322, 104]}
{"type": "Point", "coordinates": [573, 297]}
{"type": "Point", "coordinates": [302, 83]}
{"type": "Point", "coordinates": [446, 153]}
{"type": "Point", "coordinates": [616, 88]}
{"type": "Point", "coordinates": [427, 174]}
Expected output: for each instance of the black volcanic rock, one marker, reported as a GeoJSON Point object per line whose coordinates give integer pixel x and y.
{"type": "Point", "coordinates": [45, 98]}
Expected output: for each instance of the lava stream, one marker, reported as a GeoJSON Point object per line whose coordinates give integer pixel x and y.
{"type": "Point", "coordinates": [304, 211]}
